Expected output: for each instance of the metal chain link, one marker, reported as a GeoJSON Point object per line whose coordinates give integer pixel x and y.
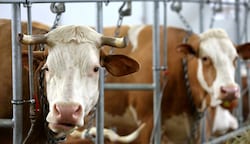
{"type": "Point", "coordinates": [58, 9]}
{"type": "Point", "coordinates": [176, 6]}
{"type": "Point", "coordinates": [122, 14]}
{"type": "Point", "coordinates": [89, 125]}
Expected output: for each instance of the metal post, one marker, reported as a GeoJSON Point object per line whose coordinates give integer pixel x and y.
{"type": "Point", "coordinates": [201, 16]}
{"type": "Point", "coordinates": [238, 71]}
{"type": "Point", "coordinates": [156, 72]}
{"type": "Point", "coordinates": [100, 105]}
{"type": "Point", "coordinates": [17, 75]}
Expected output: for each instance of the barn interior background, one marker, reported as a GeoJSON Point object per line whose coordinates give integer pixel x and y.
{"type": "Point", "coordinates": [199, 15]}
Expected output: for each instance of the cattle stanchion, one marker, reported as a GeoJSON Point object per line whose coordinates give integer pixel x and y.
{"type": "Point", "coordinates": [100, 104]}
{"type": "Point", "coordinates": [17, 75]}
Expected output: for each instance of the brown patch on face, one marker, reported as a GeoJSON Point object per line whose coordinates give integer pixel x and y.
{"type": "Point", "coordinates": [208, 70]}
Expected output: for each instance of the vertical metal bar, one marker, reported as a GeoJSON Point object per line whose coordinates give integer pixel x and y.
{"type": "Point", "coordinates": [201, 16]}
{"type": "Point", "coordinates": [16, 74]}
{"type": "Point", "coordinates": [248, 86]}
{"type": "Point", "coordinates": [100, 106]}
{"type": "Point", "coordinates": [30, 60]}
{"type": "Point", "coordinates": [165, 35]}
{"type": "Point", "coordinates": [156, 72]}
{"type": "Point", "coordinates": [238, 71]}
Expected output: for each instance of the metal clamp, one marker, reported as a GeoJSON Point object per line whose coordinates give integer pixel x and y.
{"type": "Point", "coordinates": [20, 102]}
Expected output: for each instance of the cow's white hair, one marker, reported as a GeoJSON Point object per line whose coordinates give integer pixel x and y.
{"type": "Point", "coordinates": [74, 33]}
{"type": "Point", "coordinates": [224, 121]}
{"type": "Point", "coordinates": [213, 33]}
{"type": "Point", "coordinates": [133, 34]}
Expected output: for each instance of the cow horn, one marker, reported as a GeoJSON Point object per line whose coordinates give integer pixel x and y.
{"type": "Point", "coordinates": [32, 39]}
{"type": "Point", "coordinates": [115, 42]}
{"type": "Point", "coordinates": [110, 134]}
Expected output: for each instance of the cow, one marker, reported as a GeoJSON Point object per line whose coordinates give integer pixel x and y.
{"type": "Point", "coordinates": [71, 67]}
{"type": "Point", "coordinates": [207, 59]}
{"type": "Point", "coordinates": [6, 76]}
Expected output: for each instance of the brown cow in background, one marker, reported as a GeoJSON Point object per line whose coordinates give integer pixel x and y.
{"type": "Point", "coordinates": [210, 67]}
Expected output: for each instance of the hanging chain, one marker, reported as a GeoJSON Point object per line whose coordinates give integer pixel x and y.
{"type": "Point", "coordinates": [89, 125]}
{"type": "Point", "coordinates": [122, 14]}
{"type": "Point", "coordinates": [217, 7]}
{"type": "Point", "coordinates": [176, 6]}
{"type": "Point", "coordinates": [58, 9]}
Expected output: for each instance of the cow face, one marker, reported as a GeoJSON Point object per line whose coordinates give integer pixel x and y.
{"type": "Point", "coordinates": [216, 62]}
{"type": "Point", "coordinates": [72, 72]}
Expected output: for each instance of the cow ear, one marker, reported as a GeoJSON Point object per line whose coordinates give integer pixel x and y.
{"type": "Point", "coordinates": [38, 56]}
{"type": "Point", "coordinates": [119, 65]}
{"type": "Point", "coordinates": [186, 49]}
{"type": "Point", "coordinates": [244, 50]}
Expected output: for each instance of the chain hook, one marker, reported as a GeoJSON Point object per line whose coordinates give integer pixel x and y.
{"type": "Point", "coordinates": [57, 8]}
{"type": "Point", "coordinates": [126, 12]}
{"type": "Point", "coordinates": [176, 6]}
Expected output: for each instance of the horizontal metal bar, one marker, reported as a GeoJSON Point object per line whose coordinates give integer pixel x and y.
{"type": "Point", "coordinates": [123, 86]}
{"type": "Point", "coordinates": [6, 123]}
{"type": "Point", "coordinates": [230, 135]}
{"type": "Point", "coordinates": [77, 1]}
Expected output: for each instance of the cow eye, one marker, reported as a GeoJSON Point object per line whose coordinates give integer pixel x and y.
{"type": "Point", "coordinates": [96, 69]}
{"type": "Point", "coordinates": [45, 69]}
{"type": "Point", "coordinates": [204, 59]}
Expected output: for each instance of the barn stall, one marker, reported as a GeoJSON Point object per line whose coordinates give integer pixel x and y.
{"type": "Point", "coordinates": [160, 14]}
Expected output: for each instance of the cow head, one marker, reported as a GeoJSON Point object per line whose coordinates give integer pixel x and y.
{"type": "Point", "coordinates": [72, 72]}
{"type": "Point", "coordinates": [216, 58]}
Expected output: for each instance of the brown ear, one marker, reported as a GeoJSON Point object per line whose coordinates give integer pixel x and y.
{"type": "Point", "coordinates": [38, 56]}
{"type": "Point", "coordinates": [186, 49]}
{"type": "Point", "coordinates": [244, 50]}
{"type": "Point", "coordinates": [119, 65]}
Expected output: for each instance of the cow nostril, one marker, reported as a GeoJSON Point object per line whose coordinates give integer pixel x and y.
{"type": "Point", "coordinates": [57, 109]}
{"type": "Point", "coordinates": [223, 90]}
{"type": "Point", "coordinates": [77, 112]}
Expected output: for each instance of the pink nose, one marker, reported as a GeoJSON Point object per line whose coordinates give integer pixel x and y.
{"type": "Point", "coordinates": [230, 93]}
{"type": "Point", "coordinates": [67, 113]}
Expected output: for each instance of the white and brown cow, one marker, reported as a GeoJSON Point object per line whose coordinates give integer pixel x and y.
{"type": "Point", "coordinates": [211, 61]}
{"type": "Point", "coordinates": [72, 72]}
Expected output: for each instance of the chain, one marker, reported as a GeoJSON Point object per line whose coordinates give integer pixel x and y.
{"type": "Point", "coordinates": [176, 6]}
{"type": "Point", "coordinates": [58, 9]}
{"type": "Point", "coordinates": [122, 14]}
{"type": "Point", "coordinates": [89, 125]}
{"type": "Point", "coordinates": [216, 9]}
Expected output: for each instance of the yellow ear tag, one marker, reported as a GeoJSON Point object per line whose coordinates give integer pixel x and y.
{"type": "Point", "coordinates": [226, 104]}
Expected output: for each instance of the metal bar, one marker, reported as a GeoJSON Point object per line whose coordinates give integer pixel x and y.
{"type": "Point", "coordinates": [16, 74]}
{"type": "Point", "coordinates": [238, 70]}
{"type": "Point", "coordinates": [201, 8]}
{"type": "Point", "coordinates": [248, 85]}
{"type": "Point", "coordinates": [230, 135]}
{"type": "Point", "coordinates": [100, 106]}
{"type": "Point", "coordinates": [165, 35]}
{"type": "Point", "coordinates": [123, 86]}
{"type": "Point", "coordinates": [72, 1]}
{"type": "Point", "coordinates": [156, 72]}
{"type": "Point", "coordinates": [6, 123]}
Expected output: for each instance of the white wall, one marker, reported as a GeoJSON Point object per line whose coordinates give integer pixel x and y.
{"type": "Point", "coordinates": [85, 13]}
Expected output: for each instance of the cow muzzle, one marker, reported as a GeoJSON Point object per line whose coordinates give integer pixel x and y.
{"type": "Point", "coordinates": [65, 117]}
{"type": "Point", "coordinates": [229, 96]}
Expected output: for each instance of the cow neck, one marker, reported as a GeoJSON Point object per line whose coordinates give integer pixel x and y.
{"type": "Point", "coordinates": [197, 115]}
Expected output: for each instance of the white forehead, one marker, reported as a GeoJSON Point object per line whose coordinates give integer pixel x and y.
{"type": "Point", "coordinates": [65, 56]}
{"type": "Point", "coordinates": [215, 43]}
{"type": "Point", "coordinates": [73, 33]}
